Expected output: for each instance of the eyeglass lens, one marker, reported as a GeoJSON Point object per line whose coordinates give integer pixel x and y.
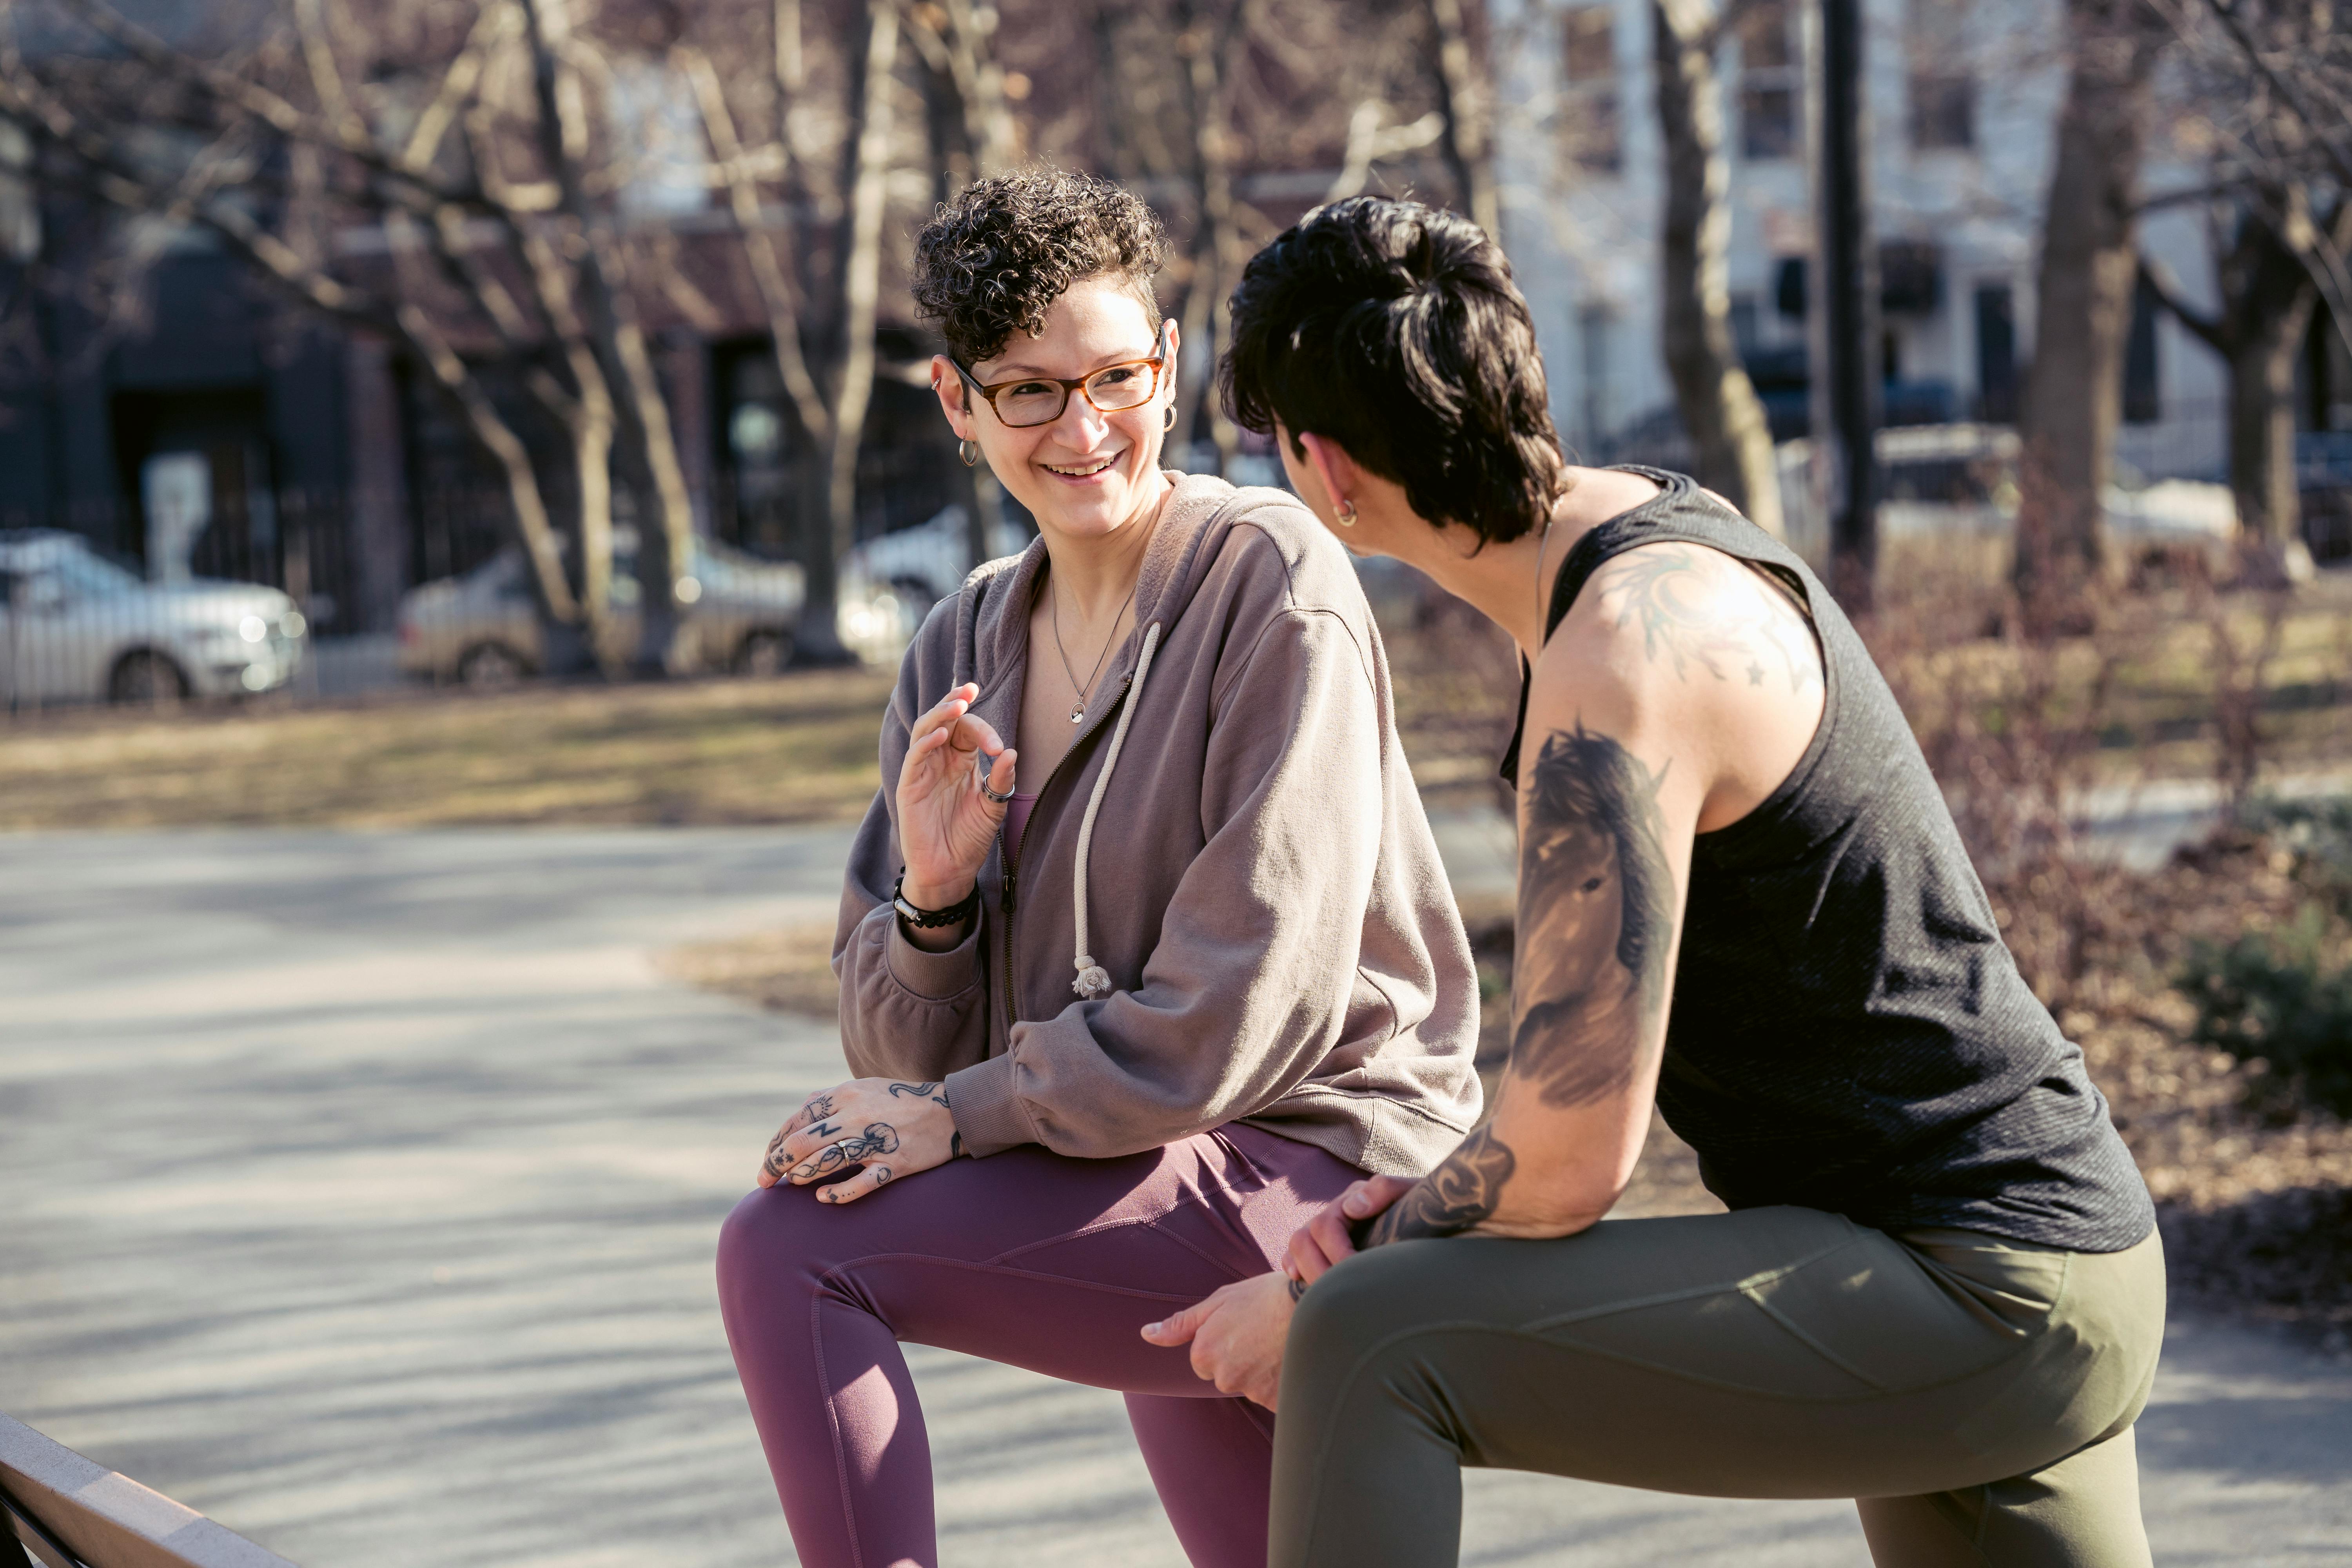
{"type": "Point", "coordinates": [1110, 389]}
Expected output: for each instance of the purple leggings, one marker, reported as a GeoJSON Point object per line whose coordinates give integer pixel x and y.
{"type": "Point", "coordinates": [1027, 1258]}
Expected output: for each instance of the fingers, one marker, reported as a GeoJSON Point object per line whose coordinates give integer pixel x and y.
{"type": "Point", "coordinates": [1178, 1327]}
{"type": "Point", "coordinates": [1374, 1193]}
{"type": "Point", "coordinates": [777, 1162]}
{"type": "Point", "coordinates": [874, 1177]}
{"type": "Point", "coordinates": [1001, 771]}
{"type": "Point", "coordinates": [1323, 1241]}
{"type": "Point", "coordinates": [949, 708]}
{"type": "Point", "coordinates": [1319, 1244]}
{"type": "Point", "coordinates": [975, 734]}
{"type": "Point", "coordinates": [830, 1147]}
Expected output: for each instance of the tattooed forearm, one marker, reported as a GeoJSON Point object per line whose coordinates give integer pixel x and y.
{"type": "Point", "coordinates": [1689, 612]}
{"type": "Point", "coordinates": [1596, 921]}
{"type": "Point", "coordinates": [1451, 1199]}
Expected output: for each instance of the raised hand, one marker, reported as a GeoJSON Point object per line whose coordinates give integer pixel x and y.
{"type": "Point", "coordinates": [945, 823]}
{"type": "Point", "coordinates": [886, 1129]}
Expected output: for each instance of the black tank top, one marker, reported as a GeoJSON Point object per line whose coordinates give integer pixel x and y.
{"type": "Point", "coordinates": [1848, 1031]}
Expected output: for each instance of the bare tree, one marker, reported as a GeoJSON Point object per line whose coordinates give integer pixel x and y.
{"type": "Point", "coordinates": [2270, 86]}
{"type": "Point", "coordinates": [2267, 295]}
{"type": "Point", "coordinates": [1466, 99]}
{"type": "Point", "coordinates": [87, 126]}
{"type": "Point", "coordinates": [2072, 402]}
{"type": "Point", "coordinates": [1731, 442]}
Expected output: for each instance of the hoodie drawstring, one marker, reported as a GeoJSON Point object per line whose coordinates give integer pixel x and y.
{"type": "Point", "coordinates": [1093, 983]}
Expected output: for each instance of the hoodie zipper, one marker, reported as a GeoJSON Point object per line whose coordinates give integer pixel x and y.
{"type": "Point", "coordinates": [1005, 900]}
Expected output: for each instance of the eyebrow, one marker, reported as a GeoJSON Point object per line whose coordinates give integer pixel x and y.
{"type": "Point", "coordinates": [1016, 370]}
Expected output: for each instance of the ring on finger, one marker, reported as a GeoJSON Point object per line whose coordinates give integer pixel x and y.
{"type": "Point", "coordinates": [979, 769]}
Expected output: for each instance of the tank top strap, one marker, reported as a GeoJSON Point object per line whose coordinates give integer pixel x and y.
{"type": "Point", "coordinates": [1681, 513]}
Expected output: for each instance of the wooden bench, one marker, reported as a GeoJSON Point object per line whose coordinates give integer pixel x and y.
{"type": "Point", "coordinates": [59, 1510]}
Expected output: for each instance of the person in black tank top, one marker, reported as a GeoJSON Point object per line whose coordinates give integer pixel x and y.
{"type": "Point", "coordinates": [1742, 898]}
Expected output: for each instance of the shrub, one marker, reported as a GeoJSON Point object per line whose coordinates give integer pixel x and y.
{"type": "Point", "coordinates": [2274, 999]}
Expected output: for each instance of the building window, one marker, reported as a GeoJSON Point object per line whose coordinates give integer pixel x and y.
{"type": "Point", "coordinates": [2143, 403]}
{"type": "Point", "coordinates": [1591, 135]}
{"type": "Point", "coordinates": [1770, 96]}
{"type": "Point", "coordinates": [1996, 354]}
{"type": "Point", "coordinates": [1943, 91]}
{"type": "Point", "coordinates": [1594, 324]}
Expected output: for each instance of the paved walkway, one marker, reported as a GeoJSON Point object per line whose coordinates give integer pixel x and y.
{"type": "Point", "coordinates": [361, 1188]}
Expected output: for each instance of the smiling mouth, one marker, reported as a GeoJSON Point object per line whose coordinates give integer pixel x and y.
{"type": "Point", "coordinates": [1078, 471]}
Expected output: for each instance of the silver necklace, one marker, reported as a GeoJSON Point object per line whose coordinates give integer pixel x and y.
{"type": "Point", "coordinates": [1086, 688]}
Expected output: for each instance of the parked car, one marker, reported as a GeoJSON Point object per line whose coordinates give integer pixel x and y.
{"type": "Point", "coordinates": [1962, 480]}
{"type": "Point", "coordinates": [889, 583]}
{"type": "Point", "coordinates": [76, 627]}
{"type": "Point", "coordinates": [483, 628]}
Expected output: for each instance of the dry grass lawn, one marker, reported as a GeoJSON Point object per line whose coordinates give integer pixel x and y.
{"type": "Point", "coordinates": [797, 748]}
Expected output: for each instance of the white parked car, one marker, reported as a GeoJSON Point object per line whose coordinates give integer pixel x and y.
{"type": "Point", "coordinates": [889, 583]}
{"type": "Point", "coordinates": [483, 628]}
{"type": "Point", "coordinates": [76, 627]}
{"type": "Point", "coordinates": [1961, 480]}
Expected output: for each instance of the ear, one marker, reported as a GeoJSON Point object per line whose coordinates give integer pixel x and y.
{"type": "Point", "coordinates": [946, 381]}
{"type": "Point", "coordinates": [1175, 358]}
{"type": "Point", "coordinates": [1342, 480]}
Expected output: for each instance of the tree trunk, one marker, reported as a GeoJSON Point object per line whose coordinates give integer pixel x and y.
{"type": "Point", "coordinates": [2072, 402]}
{"type": "Point", "coordinates": [874, 125]}
{"type": "Point", "coordinates": [649, 445]}
{"type": "Point", "coordinates": [1731, 442]}
{"type": "Point", "coordinates": [1210, 50]}
{"type": "Point", "coordinates": [2269, 289]}
{"type": "Point", "coordinates": [1465, 98]}
{"type": "Point", "coordinates": [2261, 437]}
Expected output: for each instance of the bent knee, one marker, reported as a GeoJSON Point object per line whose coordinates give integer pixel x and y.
{"type": "Point", "coordinates": [1360, 1302]}
{"type": "Point", "coordinates": [768, 1244]}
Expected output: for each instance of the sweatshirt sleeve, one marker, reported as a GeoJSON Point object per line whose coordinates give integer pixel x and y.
{"type": "Point", "coordinates": [1249, 984]}
{"type": "Point", "coordinates": [905, 1012]}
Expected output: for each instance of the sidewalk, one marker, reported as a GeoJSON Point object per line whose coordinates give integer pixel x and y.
{"type": "Point", "coordinates": [362, 1189]}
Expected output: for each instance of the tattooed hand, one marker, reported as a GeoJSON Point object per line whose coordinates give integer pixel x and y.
{"type": "Point", "coordinates": [885, 1128]}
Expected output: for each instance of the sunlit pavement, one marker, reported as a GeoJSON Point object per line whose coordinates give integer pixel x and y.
{"type": "Point", "coordinates": [361, 1191]}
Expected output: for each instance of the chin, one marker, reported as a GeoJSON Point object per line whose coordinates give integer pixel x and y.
{"type": "Point", "coordinates": [1088, 510]}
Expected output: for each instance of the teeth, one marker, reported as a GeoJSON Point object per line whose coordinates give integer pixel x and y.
{"type": "Point", "coordinates": [1081, 473]}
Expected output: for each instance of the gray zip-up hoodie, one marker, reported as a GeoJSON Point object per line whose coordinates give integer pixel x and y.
{"type": "Point", "coordinates": [1227, 905]}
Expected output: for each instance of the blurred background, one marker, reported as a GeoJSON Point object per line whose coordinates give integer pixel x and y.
{"type": "Point", "coordinates": [424, 420]}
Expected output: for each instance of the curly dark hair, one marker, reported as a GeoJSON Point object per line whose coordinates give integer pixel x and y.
{"type": "Point", "coordinates": [994, 260]}
{"type": "Point", "coordinates": [1395, 330]}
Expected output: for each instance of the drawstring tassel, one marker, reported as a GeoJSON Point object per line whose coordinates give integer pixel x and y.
{"type": "Point", "coordinates": [1093, 983]}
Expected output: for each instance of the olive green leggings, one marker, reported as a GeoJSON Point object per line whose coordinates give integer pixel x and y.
{"type": "Point", "coordinates": [1975, 1394]}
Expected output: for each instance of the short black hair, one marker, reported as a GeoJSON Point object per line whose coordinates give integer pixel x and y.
{"type": "Point", "coordinates": [1394, 329]}
{"type": "Point", "coordinates": [993, 261]}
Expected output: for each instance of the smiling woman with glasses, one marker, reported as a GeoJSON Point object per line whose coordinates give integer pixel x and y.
{"type": "Point", "coordinates": [1130, 996]}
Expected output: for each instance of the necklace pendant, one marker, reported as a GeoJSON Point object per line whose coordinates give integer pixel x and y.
{"type": "Point", "coordinates": [1078, 713]}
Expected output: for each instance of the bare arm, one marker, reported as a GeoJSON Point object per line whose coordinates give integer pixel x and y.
{"type": "Point", "coordinates": [1677, 695]}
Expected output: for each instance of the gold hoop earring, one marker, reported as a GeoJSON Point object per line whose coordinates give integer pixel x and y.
{"type": "Point", "coordinates": [1345, 514]}
{"type": "Point", "coordinates": [969, 450]}
{"type": "Point", "coordinates": [1169, 422]}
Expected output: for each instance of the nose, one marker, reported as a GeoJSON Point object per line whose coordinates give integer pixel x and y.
{"type": "Point", "coordinates": [1081, 424]}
